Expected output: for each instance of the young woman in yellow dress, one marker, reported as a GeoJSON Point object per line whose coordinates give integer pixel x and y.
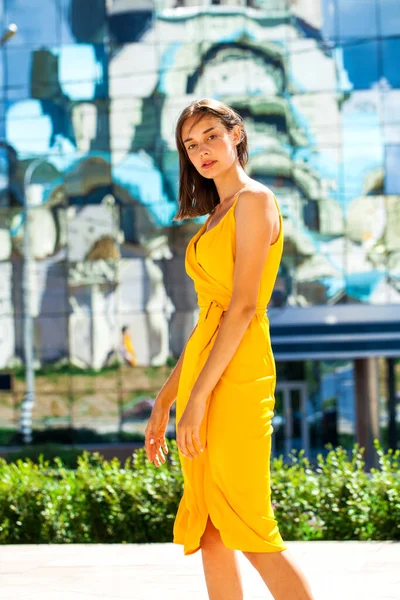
{"type": "Point", "coordinates": [224, 381]}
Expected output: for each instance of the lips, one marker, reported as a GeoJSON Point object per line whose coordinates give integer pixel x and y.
{"type": "Point", "coordinates": [208, 164]}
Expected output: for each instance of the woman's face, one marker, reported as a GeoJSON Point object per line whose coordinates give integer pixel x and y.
{"type": "Point", "coordinates": [210, 147]}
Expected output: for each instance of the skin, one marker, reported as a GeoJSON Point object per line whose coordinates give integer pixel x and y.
{"type": "Point", "coordinates": [257, 227]}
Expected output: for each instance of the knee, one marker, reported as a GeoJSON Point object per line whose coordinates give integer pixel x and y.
{"type": "Point", "coordinates": [210, 538]}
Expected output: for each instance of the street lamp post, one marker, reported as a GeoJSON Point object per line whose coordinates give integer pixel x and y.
{"type": "Point", "coordinates": [29, 398]}
{"type": "Point", "coordinates": [27, 278]}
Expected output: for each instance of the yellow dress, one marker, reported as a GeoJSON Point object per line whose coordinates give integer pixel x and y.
{"type": "Point", "coordinates": [230, 480]}
{"type": "Point", "coordinates": [130, 354]}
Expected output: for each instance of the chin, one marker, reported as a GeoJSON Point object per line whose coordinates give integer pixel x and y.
{"type": "Point", "coordinates": [207, 176]}
{"type": "Point", "coordinates": [212, 174]}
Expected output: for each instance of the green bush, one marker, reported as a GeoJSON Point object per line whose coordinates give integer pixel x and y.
{"type": "Point", "coordinates": [384, 491]}
{"type": "Point", "coordinates": [103, 501]}
{"type": "Point", "coordinates": [98, 502]}
{"type": "Point", "coordinates": [328, 502]}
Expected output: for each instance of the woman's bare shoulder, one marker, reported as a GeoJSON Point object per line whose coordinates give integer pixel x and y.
{"type": "Point", "coordinates": [257, 195]}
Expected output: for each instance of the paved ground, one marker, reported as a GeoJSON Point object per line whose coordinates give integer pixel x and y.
{"type": "Point", "coordinates": [336, 570]}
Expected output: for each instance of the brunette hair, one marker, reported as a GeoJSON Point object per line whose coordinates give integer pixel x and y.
{"type": "Point", "coordinates": [198, 195]}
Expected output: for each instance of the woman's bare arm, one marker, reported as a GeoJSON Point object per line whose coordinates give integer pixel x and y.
{"type": "Point", "coordinates": [167, 395]}
{"type": "Point", "coordinates": [256, 221]}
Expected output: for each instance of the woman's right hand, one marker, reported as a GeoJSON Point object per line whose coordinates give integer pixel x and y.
{"type": "Point", "coordinates": [155, 443]}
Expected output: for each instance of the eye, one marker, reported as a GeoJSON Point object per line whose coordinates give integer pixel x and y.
{"type": "Point", "coordinates": [213, 135]}
{"type": "Point", "coordinates": [191, 146]}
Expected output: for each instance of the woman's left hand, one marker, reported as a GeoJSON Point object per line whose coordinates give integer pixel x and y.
{"type": "Point", "coordinates": [188, 429]}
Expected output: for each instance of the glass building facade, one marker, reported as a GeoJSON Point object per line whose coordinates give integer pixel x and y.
{"type": "Point", "coordinates": [90, 95]}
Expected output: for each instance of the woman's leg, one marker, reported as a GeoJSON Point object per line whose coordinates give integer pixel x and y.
{"type": "Point", "coordinates": [221, 568]}
{"type": "Point", "coordinates": [282, 576]}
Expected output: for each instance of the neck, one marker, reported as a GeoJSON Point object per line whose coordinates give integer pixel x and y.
{"type": "Point", "coordinates": [228, 184]}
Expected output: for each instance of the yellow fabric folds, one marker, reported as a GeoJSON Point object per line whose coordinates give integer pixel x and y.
{"type": "Point", "coordinates": [230, 481]}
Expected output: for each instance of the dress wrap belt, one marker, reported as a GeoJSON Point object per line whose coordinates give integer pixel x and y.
{"type": "Point", "coordinates": [210, 318]}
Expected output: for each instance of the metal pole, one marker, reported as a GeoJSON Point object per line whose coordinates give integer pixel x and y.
{"type": "Point", "coordinates": [28, 321]}
{"type": "Point", "coordinates": [391, 386]}
{"type": "Point", "coordinates": [28, 401]}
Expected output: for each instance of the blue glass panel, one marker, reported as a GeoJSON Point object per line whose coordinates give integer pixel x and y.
{"type": "Point", "coordinates": [17, 72]}
{"type": "Point", "coordinates": [83, 22]}
{"type": "Point", "coordinates": [36, 21]}
{"type": "Point", "coordinates": [330, 19]}
{"type": "Point", "coordinates": [129, 26]}
{"type": "Point", "coordinates": [390, 61]}
{"type": "Point", "coordinates": [392, 172]}
{"type": "Point", "coordinates": [357, 19]}
{"type": "Point", "coordinates": [27, 128]}
{"type": "Point", "coordinates": [2, 119]}
{"type": "Point", "coordinates": [389, 13]}
{"type": "Point", "coordinates": [362, 64]}
{"type": "Point", "coordinates": [83, 71]}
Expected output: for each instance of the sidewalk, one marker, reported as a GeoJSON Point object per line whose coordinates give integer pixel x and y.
{"type": "Point", "coordinates": [336, 570]}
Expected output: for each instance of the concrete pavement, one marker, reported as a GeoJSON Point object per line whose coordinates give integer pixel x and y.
{"type": "Point", "coordinates": [336, 571]}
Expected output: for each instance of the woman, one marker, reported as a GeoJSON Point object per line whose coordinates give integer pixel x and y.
{"type": "Point", "coordinates": [224, 381]}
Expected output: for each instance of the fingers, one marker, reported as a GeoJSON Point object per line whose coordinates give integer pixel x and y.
{"type": "Point", "coordinates": [164, 445]}
{"type": "Point", "coordinates": [155, 434]}
{"type": "Point", "coordinates": [181, 442]}
{"type": "Point", "coordinates": [149, 444]}
{"type": "Point", "coordinates": [162, 450]}
{"type": "Point", "coordinates": [197, 441]}
{"type": "Point", "coordinates": [157, 450]}
{"type": "Point", "coordinates": [190, 444]}
{"type": "Point", "coordinates": [159, 458]}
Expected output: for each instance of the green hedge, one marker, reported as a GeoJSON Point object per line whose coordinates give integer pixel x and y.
{"type": "Point", "coordinates": [104, 501]}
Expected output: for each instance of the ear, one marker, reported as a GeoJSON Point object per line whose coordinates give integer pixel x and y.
{"type": "Point", "coordinates": [237, 135]}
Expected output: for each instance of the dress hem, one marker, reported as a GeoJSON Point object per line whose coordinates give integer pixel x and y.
{"type": "Point", "coordinates": [190, 551]}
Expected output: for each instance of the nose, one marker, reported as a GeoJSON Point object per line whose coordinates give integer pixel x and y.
{"type": "Point", "coordinates": [203, 150]}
